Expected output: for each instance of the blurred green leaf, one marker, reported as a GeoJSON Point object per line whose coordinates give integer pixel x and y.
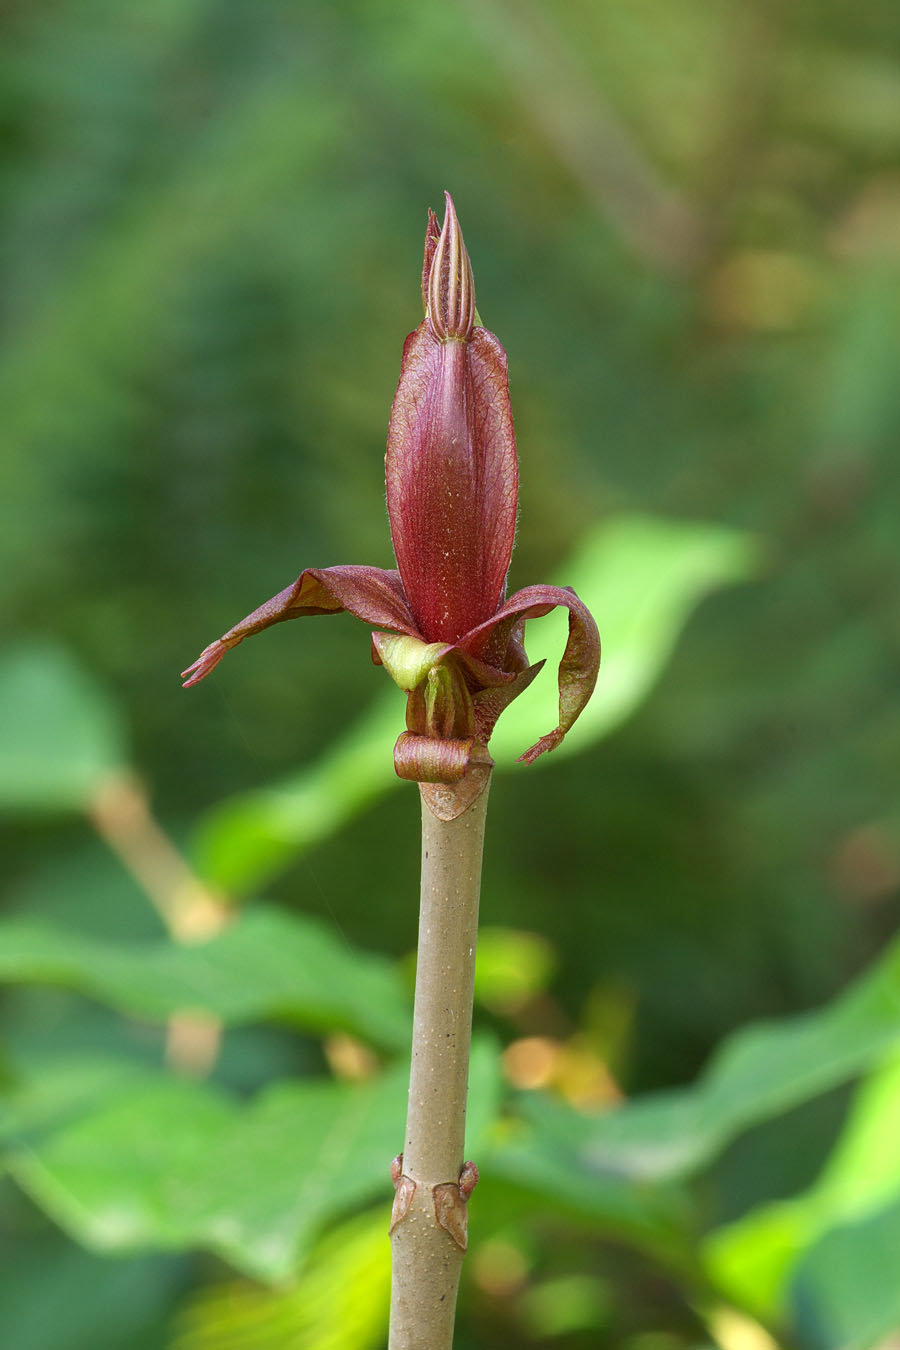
{"type": "Point", "coordinates": [619, 1167]}
{"type": "Point", "coordinates": [122, 1175]}
{"type": "Point", "coordinates": [108, 1303]}
{"type": "Point", "coordinates": [511, 967]}
{"type": "Point", "coordinates": [315, 1313]}
{"type": "Point", "coordinates": [640, 576]}
{"type": "Point", "coordinates": [846, 1294]}
{"type": "Point", "coordinates": [547, 1150]}
{"type": "Point", "coordinates": [757, 1073]}
{"type": "Point", "coordinates": [60, 735]}
{"type": "Point", "coordinates": [853, 96]}
{"type": "Point", "coordinates": [566, 1304]}
{"type": "Point", "coordinates": [754, 1260]}
{"type": "Point", "coordinates": [266, 964]}
{"type": "Point", "coordinates": [58, 1090]}
{"type": "Point", "coordinates": [170, 1164]}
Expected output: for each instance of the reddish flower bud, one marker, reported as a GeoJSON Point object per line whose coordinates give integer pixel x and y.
{"type": "Point", "coordinates": [452, 642]}
{"type": "Point", "coordinates": [452, 478]}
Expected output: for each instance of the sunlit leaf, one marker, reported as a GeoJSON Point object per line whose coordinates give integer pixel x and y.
{"type": "Point", "coordinates": [640, 576]}
{"type": "Point", "coordinates": [167, 1163]}
{"type": "Point", "coordinates": [754, 1260]}
{"type": "Point", "coordinates": [511, 967]}
{"type": "Point", "coordinates": [267, 964]}
{"type": "Point", "coordinates": [121, 1176]}
{"type": "Point", "coordinates": [315, 1313]}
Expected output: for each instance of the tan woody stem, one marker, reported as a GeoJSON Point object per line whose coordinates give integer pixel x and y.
{"type": "Point", "coordinates": [120, 812]}
{"type": "Point", "coordinates": [428, 1225]}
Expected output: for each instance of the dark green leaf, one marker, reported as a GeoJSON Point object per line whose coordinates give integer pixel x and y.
{"type": "Point", "coordinates": [266, 964]}
{"type": "Point", "coordinates": [548, 1151]}
{"type": "Point", "coordinates": [108, 1304]}
{"type": "Point", "coordinates": [758, 1073]}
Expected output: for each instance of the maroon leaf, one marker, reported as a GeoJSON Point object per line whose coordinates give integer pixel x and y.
{"type": "Point", "coordinates": [580, 661]}
{"type": "Point", "coordinates": [371, 593]}
{"type": "Point", "coordinates": [490, 703]}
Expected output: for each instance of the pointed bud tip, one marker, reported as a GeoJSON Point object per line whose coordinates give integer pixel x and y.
{"type": "Point", "coordinates": [450, 288]}
{"type": "Point", "coordinates": [432, 235]}
{"type": "Point", "coordinates": [208, 659]}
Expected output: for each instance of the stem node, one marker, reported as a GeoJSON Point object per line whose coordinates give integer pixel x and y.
{"type": "Point", "coordinates": [451, 1204]}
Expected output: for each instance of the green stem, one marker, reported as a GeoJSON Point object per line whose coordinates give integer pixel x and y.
{"type": "Point", "coordinates": [428, 1232]}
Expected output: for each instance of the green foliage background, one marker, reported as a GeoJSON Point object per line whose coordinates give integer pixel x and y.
{"type": "Point", "coordinates": [684, 222]}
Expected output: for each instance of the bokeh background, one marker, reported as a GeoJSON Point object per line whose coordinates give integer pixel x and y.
{"type": "Point", "coordinates": [684, 219]}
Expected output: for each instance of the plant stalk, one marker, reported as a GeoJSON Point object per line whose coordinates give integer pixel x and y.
{"type": "Point", "coordinates": [120, 813]}
{"type": "Point", "coordinates": [428, 1226]}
